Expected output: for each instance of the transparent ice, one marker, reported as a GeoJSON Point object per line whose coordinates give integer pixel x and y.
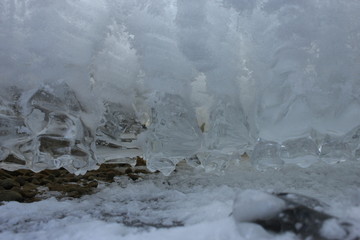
{"type": "Point", "coordinates": [87, 82]}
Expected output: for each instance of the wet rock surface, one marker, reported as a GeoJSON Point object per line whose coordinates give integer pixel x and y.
{"type": "Point", "coordinates": [27, 186]}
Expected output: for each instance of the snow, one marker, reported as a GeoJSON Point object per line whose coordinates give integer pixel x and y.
{"type": "Point", "coordinates": [189, 204]}
{"type": "Point", "coordinates": [331, 229]}
{"type": "Point", "coordinates": [251, 205]}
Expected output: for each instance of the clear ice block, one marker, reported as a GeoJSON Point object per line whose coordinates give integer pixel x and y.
{"type": "Point", "coordinates": [173, 134]}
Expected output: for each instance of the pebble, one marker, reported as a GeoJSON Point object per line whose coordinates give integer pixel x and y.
{"type": "Point", "coordinates": [8, 183]}
{"type": "Point", "coordinates": [8, 195]}
{"type": "Point", "coordinates": [23, 185]}
{"type": "Point", "coordinates": [20, 180]}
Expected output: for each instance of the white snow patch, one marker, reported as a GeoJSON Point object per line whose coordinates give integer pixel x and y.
{"type": "Point", "coordinates": [331, 229]}
{"type": "Point", "coordinates": [251, 205]}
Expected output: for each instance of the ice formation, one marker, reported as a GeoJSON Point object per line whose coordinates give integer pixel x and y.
{"type": "Point", "coordinates": [86, 82]}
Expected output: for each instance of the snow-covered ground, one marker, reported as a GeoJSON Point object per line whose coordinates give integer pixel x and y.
{"type": "Point", "coordinates": [189, 204]}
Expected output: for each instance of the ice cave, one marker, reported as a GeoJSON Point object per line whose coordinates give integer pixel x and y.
{"type": "Point", "coordinates": [246, 114]}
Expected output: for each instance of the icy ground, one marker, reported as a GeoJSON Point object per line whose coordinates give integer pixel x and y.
{"type": "Point", "coordinates": [189, 204]}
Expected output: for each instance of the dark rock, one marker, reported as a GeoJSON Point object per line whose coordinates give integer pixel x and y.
{"type": "Point", "coordinates": [51, 178]}
{"type": "Point", "coordinates": [35, 181]}
{"type": "Point", "coordinates": [59, 180]}
{"type": "Point", "coordinates": [26, 182]}
{"type": "Point", "coordinates": [133, 177]}
{"type": "Point", "coordinates": [29, 186]}
{"type": "Point", "coordinates": [110, 176]}
{"type": "Point", "coordinates": [83, 191]}
{"type": "Point", "coordinates": [74, 194]}
{"type": "Point", "coordinates": [90, 178]}
{"type": "Point", "coordinates": [71, 188]}
{"type": "Point", "coordinates": [23, 172]}
{"type": "Point", "coordinates": [302, 217]}
{"type": "Point", "coordinates": [13, 173]}
{"type": "Point", "coordinates": [44, 181]}
{"type": "Point", "coordinates": [8, 183]}
{"type": "Point", "coordinates": [40, 175]}
{"type": "Point", "coordinates": [140, 162]}
{"type": "Point", "coordinates": [55, 173]}
{"type": "Point", "coordinates": [28, 193]}
{"type": "Point", "coordinates": [57, 187]}
{"type": "Point", "coordinates": [20, 180]}
{"type": "Point", "coordinates": [93, 184]}
{"type": "Point", "coordinates": [8, 195]}
{"type": "Point", "coordinates": [4, 174]}
{"type": "Point", "coordinates": [16, 189]}
{"type": "Point", "coordinates": [72, 179]}
{"type": "Point", "coordinates": [28, 179]}
{"type": "Point", "coordinates": [143, 171]}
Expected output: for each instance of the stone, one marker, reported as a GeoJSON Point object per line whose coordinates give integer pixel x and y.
{"type": "Point", "coordinates": [35, 181]}
{"type": "Point", "coordinates": [9, 183]}
{"type": "Point", "coordinates": [4, 174]}
{"type": "Point", "coordinates": [8, 195]}
{"type": "Point", "coordinates": [140, 162]}
{"type": "Point", "coordinates": [133, 177]}
{"type": "Point", "coordinates": [20, 180]}
{"type": "Point", "coordinates": [28, 193]}
{"type": "Point", "coordinates": [92, 184]}
{"type": "Point", "coordinates": [302, 215]}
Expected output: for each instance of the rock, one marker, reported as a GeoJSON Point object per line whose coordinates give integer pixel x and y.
{"type": "Point", "coordinates": [59, 180]}
{"type": "Point", "coordinates": [71, 188]}
{"type": "Point", "coordinates": [26, 182]}
{"type": "Point", "coordinates": [29, 186]}
{"type": "Point", "coordinates": [22, 171]}
{"type": "Point", "coordinates": [140, 162]}
{"type": "Point", "coordinates": [55, 173]}
{"type": "Point", "coordinates": [110, 176]}
{"type": "Point", "coordinates": [92, 177]}
{"type": "Point", "coordinates": [16, 189]}
{"type": "Point", "coordinates": [83, 191]}
{"type": "Point", "coordinates": [8, 195]}
{"type": "Point", "coordinates": [284, 212]}
{"type": "Point", "coordinates": [20, 180]}
{"type": "Point", "coordinates": [74, 194]}
{"type": "Point", "coordinates": [56, 187]}
{"type": "Point", "coordinates": [14, 173]}
{"type": "Point", "coordinates": [133, 177]}
{"type": "Point", "coordinates": [72, 179]}
{"type": "Point", "coordinates": [44, 181]}
{"type": "Point", "coordinates": [93, 184]}
{"type": "Point", "coordinates": [142, 171]}
{"type": "Point", "coordinates": [8, 183]}
{"type": "Point", "coordinates": [4, 174]}
{"type": "Point", "coordinates": [51, 177]}
{"type": "Point", "coordinates": [28, 193]}
{"type": "Point", "coordinates": [28, 179]}
{"type": "Point", "coordinates": [35, 181]}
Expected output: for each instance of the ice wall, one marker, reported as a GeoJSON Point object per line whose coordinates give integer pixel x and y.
{"type": "Point", "coordinates": [86, 82]}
